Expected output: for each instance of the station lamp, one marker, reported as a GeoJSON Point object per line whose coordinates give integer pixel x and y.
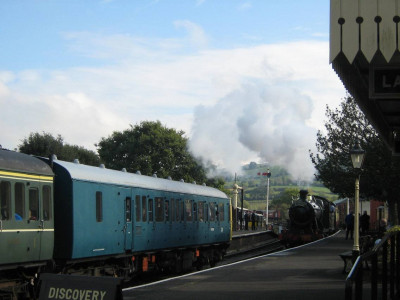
{"type": "Point", "coordinates": [357, 158]}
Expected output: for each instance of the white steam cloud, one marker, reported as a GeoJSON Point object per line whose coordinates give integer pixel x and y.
{"type": "Point", "coordinates": [260, 123]}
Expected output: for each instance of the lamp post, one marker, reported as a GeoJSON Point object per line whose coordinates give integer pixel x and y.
{"type": "Point", "coordinates": [357, 157]}
{"type": "Point", "coordinates": [266, 211]}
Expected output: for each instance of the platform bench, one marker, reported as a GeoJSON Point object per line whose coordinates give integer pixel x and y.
{"type": "Point", "coordinates": [348, 261]}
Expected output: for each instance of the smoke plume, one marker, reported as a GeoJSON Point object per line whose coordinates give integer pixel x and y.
{"type": "Point", "coordinates": [256, 123]}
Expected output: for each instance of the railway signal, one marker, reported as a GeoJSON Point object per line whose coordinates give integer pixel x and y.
{"type": "Point", "coordinates": [268, 174]}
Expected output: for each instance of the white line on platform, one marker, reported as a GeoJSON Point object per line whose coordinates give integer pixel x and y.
{"type": "Point", "coordinates": [231, 264]}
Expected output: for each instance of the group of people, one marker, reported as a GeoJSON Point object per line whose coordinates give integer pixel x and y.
{"type": "Point", "coordinates": [250, 218]}
{"type": "Point", "coordinates": [364, 224]}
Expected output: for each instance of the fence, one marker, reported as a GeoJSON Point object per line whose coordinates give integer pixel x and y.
{"type": "Point", "coordinates": [376, 273]}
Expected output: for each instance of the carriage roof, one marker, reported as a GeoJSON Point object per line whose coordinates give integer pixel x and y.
{"type": "Point", "coordinates": [103, 175]}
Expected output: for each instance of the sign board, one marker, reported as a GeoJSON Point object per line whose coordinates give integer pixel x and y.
{"type": "Point", "coordinates": [71, 287]}
{"type": "Point", "coordinates": [384, 82]}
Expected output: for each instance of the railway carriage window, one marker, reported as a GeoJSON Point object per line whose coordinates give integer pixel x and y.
{"type": "Point", "coordinates": [221, 212]}
{"type": "Point", "coordinates": [99, 206]}
{"type": "Point", "coordinates": [33, 204]}
{"type": "Point", "coordinates": [144, 208]}
{"type": "Point", "coordinates": [206, 216]}
{"type": "Point", "coordinates": [195, 212]}
{"type": "Point", "coordinates": [5, 199]}
{"type": "Point", "coordinates": [188, 210]}
{"type": "Point", "coordinates": [211, 211]}
{"type": "Point", "coordinates": [159, 209]}
{"type": "Point", "coordinates": [172, 210]}
{"type": "Point", "coordinates": [182, 210]}
{"type": "Point", "coordinates": [150, 208]}
{"type": "Point", "coordinates": [128, 209]}
{"type": "Point", "coordinates": [46, 202]}
{"type": "Point", "coordinates": [177, 215]}
{"type": "Point", "coordinates": [201, 211]}
{"type": "Point", "coordinates": [19, 189]}
{"type": "Point", "coordinates": [138, 210]}
{"type": "Point", "coordinates": [166, 210]}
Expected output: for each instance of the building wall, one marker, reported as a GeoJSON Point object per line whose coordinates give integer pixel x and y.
{"type": "Point", "coordinates": [377, 210]}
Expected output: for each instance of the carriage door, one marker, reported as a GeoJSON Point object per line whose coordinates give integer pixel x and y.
{"type": "Point", "coordinates": [128, 223]}
{"type": "Point", "coordinates": [46, 223]}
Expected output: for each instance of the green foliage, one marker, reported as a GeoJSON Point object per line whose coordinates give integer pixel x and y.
{"type": "Point", "coordinates": [287, 196]}
{"type": "Point", "coordinates": [395, 228]}
{"type": "Point", "coordinates": [344, 126]}
{"type": "Point", "coordinates": [282, 187]}
{"type": "Point", "coordinates": [46, 145]}
{"type": "Point", "coordinates": [218, 183]}
{"type": "Point", "coordinates": [151, 148]}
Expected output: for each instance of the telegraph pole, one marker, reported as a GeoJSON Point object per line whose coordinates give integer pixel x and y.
{"type": "Point", "coordinates": [268, 176]}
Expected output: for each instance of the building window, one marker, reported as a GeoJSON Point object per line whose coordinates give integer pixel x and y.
{"type": "Point", "coordinates": [19, 201]}
{"type": "Point", "coordinates": [99, 206]}
{"type": "Point", "coordinates": [5, 200]}
{"type": "Point", "coordinates": [33, 204]}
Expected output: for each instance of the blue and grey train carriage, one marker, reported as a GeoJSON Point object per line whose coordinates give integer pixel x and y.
{"type": "Point", "coordinates": [135, 222]}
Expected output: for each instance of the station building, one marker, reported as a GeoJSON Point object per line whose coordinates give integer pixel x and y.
{"type": "Point", "coordinates": [364, 52]}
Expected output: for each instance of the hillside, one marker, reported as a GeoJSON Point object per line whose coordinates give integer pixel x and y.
{"type": "Point", "coordinates": [255, 185]}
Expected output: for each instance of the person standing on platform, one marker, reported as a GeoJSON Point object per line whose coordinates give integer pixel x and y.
{"type": "Point", "coordinates": [253, 221]}
{"type": "Point", "coordinates": [364, 222]}
{"type": "Point", "coordinates": [246, 221]}
{"type": "Point", "coordinates": [349, 225]}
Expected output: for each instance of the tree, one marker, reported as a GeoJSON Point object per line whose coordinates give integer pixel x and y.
{"type": "Point", "coordinates": [381, 172]}
{"type": "Point", "coordinates": [287, 196]}
{"type": "Point", "coordinates": [219, 183]}
{"type": "Point", "coordinates": [45, 145]}
{"type": "Point", "coordinates": [151, 148]}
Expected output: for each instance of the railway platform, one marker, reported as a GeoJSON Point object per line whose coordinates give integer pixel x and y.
{"type": "Point", "coordinates": [312, 271]}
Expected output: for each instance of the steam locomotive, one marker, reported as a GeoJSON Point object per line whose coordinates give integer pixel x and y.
{"type": "Point", "coordinates": [310, 218]}
{"type": "Point", "coordinates": [70, 218]}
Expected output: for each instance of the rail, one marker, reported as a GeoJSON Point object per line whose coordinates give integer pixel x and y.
{"type": "Point", "coordinates": [383, 273]}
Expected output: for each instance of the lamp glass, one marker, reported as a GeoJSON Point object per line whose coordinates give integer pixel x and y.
{"type": "Point", "coordinates": [357, 159]}
{"type": "Point", "coordinates": [357, 156]}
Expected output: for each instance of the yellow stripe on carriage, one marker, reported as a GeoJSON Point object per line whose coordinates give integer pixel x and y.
{"type": "Point", "coordinates": [26, 176]}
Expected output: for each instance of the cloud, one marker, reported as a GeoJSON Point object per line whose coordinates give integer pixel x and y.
{"type": "Point", "coordinates": [196, 34]}
{"type": "Point", "coordinates": [245, 6]}
{"type": "Point", "coordinates": [245, 93]}
{"type": "Point", "coordinates": [200, 2]}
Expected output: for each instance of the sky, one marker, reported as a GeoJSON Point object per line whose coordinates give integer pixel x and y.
{"type": "Point", "coordinates": [246, 80]}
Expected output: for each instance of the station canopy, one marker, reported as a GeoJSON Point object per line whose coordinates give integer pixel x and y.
{"type": "Point", "coordinates": [364, 52]}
